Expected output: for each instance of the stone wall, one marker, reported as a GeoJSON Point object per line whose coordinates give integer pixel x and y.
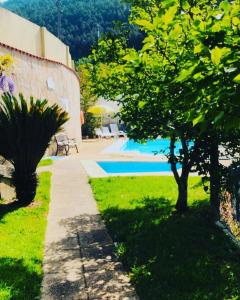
{"type": "Point", "coordinates": [22, 34]}
{"type": "Point", "coordinates": [42, 68]}
{"type": "Point", "coordinates": [41, 78]}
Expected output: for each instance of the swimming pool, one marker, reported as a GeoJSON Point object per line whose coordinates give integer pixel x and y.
{"type": "Point", "coordinates": [158, 146]}
{"type": "Point", "coordinates": [112, 167]}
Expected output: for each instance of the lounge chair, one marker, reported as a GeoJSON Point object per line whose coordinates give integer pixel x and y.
{"type": "Point", "coordinates": [107, 133]}
{"type": "Point", "coordinates": [103, 132]}
{"type": "Point", "coordinates": [98, 132]}
{"type": "Point", "coordinates": [114, 129]}
{"type": "Point", "coordinates": [64, 143]}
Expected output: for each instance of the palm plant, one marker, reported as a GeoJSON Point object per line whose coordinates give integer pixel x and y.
{"type": "Point", "coordinates": [26, 129]}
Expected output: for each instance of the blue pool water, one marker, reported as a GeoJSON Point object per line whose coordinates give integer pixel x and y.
{"type": "Point", "coordinates": [159, 146]}
{"type": "Point", "coordinates": [134, 167]}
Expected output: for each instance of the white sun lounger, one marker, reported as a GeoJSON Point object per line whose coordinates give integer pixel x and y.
{"type": "Point", "coordinates": [114, 129]}
{"type": "Point", "coordinates": [106, 132]}
{"type": "Point", "coordinates": [103, 132]}
{"type": "Point", "coordinates": [98, 132]}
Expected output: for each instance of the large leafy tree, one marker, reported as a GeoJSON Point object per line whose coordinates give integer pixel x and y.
{"type": "Point", "coordinates": [183, 83]}
{"type": "Point", "coordinates": [152, 102]}
{"type": "Point", "coordinates": [26, 130]}
{"type": "Point", "coordinates": [212, 68]}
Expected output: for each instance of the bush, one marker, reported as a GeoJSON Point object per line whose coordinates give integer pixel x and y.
{"type": "Point", "coordinates": [26, 130]}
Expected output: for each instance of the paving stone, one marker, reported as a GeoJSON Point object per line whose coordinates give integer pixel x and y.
{"type": "Point", "coordinates": [92, 265]}
{"type": "Point", "coordinates": [54, 252]}
{"type": "Point", "coordinates": [99, 251]}
{"type": "Point", "coordinates": [70, 243]}
{"type": "Point", "coordinates": [90, 222]}
{"type": "Point", "coordinates": [86, 238]}
{"type": "Point", "coordinates": [67, 243]}
{"type": "Point", "coordinates": [59, 286]}
{"type": "Point", "coordinates": [62, 261]}
{"type": "Point", "coordinates": [111, 284]}
{"type": "Point", "coordinates": [90, 218]}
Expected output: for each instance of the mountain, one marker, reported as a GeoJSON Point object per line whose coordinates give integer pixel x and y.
{"type": "Point", "coordinates": [83, 21]}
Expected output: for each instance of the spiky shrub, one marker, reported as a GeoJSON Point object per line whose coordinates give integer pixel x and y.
{"type": "Point", "coordinates": [26, 128]}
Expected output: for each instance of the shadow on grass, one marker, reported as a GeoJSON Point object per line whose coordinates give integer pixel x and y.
{"type": "Point", "coordinates": [17, 281]}
{"type": "Point", "coordinates": [173, 256]}
{"type": "Point", "coordinates": [10, 207]}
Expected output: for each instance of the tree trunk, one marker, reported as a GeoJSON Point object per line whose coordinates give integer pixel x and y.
{"type": "Point", "coordinates": [182, 200]}
{"type": "Point", "coordinates": [182, 181]}
{"type": "Point", "coordinates": [25, 186]}
{"type": "Point", "coordinates": [214, 179]}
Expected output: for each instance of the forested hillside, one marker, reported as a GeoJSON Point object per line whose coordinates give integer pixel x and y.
{"type": "Point", "coordinates": [82, 20]}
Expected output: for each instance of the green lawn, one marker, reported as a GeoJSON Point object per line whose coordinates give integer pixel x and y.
{"type": "Point", "coordinates": [168, 256]}
{"type": "Point", "coordinates": [45, 162]}
{"type": "Point", "coordinates": [21, 252]}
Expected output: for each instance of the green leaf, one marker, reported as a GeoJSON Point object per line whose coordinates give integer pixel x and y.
{"type": "Point", "coordinates": [149, 43]}
{"type": "Point", "coordinates": [196, 10]}
{"type": "Point", "coordinates": [225, 5]}
{"type": "Point", "coordinates": [141, 104]}
{"type": "Point", "coordinates": [185, 74]}
{"type": "Point", "coordinates": [237, 79]}
{"type": "Point", "coordinates": [198, 76]}
{"type": "Point", "coordinates": [198, 48]}
{"type": "Point", "coordinates": [149, 39]}
{"type": "Point", "coordinates": [198, 120]}
{"type": "Point", "coordinates": [144, 23]}
{"type": "Point", "coordinates": [218, 53]}
{"type": "Point", "coordinates": [176, 31]}
{"type": "Point", "coordinates": [235, 21]}
{"type": "Point", "coordinates": [216, 27]}
{"type": "Point", "coordinates": [169, 15]}
{"type": "Point", "coordinates": [186, 5]}
{"type": "Point", "coordinates": [131, 57]}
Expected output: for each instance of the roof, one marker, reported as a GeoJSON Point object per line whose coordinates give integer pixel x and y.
{"type": "Point", "coordinates": [38, 57]}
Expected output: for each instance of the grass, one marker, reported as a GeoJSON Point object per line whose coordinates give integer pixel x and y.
{"type": "Point", "coordinates": [168, 256]}
{"type": "Point", "coordinates": [45, 162]}
{"type": "Point", "coordinates": [22, 235]}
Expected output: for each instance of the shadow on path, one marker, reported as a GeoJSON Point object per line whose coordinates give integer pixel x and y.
{"type": "Point", "coordinates": [83, 264]}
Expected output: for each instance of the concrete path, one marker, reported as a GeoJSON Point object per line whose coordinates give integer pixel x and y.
{"type": "Point", "coordinates": [79, 258]}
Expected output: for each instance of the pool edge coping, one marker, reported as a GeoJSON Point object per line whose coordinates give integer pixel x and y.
{"type": "Point", "coordinates": [95, 171]}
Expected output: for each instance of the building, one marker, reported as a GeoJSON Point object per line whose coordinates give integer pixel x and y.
{"type": "Point", "coordinates": [43, 66]}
